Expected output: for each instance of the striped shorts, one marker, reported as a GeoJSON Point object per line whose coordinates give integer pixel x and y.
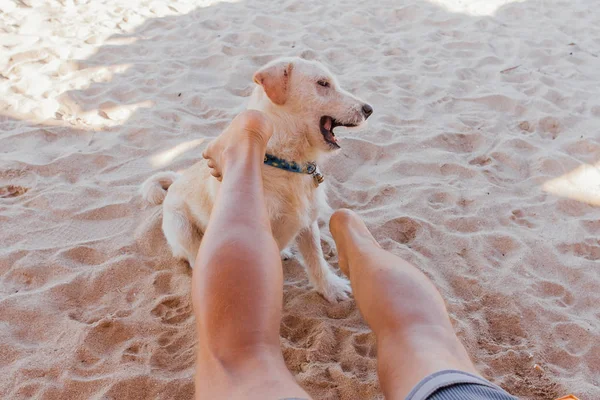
{"type": "Point", "coordinates": [457, 385]}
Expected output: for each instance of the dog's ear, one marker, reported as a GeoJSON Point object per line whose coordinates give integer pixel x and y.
{"type": "Point", "coordinates": [275, 80]}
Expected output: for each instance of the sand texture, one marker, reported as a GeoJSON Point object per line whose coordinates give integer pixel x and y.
{"type": "Point", "coordinates": [481, 164]}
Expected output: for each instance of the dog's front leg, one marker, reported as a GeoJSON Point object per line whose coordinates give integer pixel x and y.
{"type": "Point", "coordinates": [320, 274]}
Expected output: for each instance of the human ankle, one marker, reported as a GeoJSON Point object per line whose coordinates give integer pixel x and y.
{"type": "Point", "coordinates": [244, 154]}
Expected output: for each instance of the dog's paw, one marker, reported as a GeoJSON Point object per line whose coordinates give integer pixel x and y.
{"type": "Point", "coordinates": [287, 254]}
{"type": "Point", "coordinates": [334, 288]}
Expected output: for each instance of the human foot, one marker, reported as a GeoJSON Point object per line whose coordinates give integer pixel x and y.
{"type": "Point", "coordinates": [247, 134]}
{"type": "Point", "coordinates": [350, 233]}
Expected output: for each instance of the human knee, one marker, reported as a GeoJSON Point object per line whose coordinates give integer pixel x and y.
{"type": "Point", "coordinates": [341, 217]}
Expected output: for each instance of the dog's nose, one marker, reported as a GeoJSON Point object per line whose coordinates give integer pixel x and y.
{"type": "Point", "coordinates": [367, 110]}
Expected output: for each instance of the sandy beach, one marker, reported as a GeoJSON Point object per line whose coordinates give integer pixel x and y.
{"type": "Point", "coordinates": [481, 165]}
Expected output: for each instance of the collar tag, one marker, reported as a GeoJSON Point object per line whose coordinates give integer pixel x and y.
{"type": "Point", "coordinates": [318, 178]}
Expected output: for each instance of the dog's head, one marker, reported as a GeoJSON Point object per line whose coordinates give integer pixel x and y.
{"type": "Point", "coordinates": [311, 94]}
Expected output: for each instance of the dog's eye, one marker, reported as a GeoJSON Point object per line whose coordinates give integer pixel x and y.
{"type": "Point", "coordinates": [323, 83]}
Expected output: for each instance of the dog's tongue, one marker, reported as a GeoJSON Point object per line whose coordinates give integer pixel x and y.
{"type": "Point", "coordinates": [327, 124]}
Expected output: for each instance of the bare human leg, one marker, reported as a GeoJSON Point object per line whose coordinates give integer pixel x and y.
{"type": "Point", "coordinates": [414, 334]}
{"type": "Point", "coordinates": [238, 279]}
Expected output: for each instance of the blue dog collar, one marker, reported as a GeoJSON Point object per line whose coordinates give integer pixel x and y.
{"type": "Point", "coordinates": [309, 168]}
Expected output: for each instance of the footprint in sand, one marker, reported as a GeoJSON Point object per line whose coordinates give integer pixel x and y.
{"type": "Point", "coordinates": [172, 310]}
{"type": "Point", "coordinates": [296, 328]}
{"type": "Point", "coordinates": [106, 335]}
{"type": "Point", "coordinates": [526, 127]}
{"type": "Point", "coordinates": [175, 351]}
{"type": "Point", "coordinates": [555, 292]}
{"type": "Point", "coordinates": [519, 217]}
{"type": "Point", "coordinates": [402, 230]}
{"type": "Point", "coordinates": [550, 127]}
{"type": "Point", "coordinates": [481, 161]}
{"type": "Point", "coordinates": [12, 191]}
{"type": "Point", "coordinates": [162, 282]}
{"type": "Point", "coordinates": [364, 345]}
{"type": "Point", "coordinates": [588, 249]}
{"type": "Point", "coordinates": [133, 353]}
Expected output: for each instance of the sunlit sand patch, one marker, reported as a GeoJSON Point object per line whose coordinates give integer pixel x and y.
{"type": "Point", "coordinates": [39, 68]}
{"type": "Point", "coordinates": [581, 184]}
{"type": "Point", "coordinates": [474, 7]}
{"type": "Point", "coordinates": [166, 157]}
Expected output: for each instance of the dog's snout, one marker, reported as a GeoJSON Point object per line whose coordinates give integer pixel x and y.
{"type": "Point", "coordinates": [367, 110]}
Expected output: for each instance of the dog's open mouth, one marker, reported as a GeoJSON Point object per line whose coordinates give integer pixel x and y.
{"type": "Point", "coordinates": [327, 124]}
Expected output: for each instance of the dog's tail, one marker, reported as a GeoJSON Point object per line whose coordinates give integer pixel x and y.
{"type": "Point", "coordinates": [154, 189]}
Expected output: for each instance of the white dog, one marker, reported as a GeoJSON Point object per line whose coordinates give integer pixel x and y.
{"type": "Point", "coordinates": [305, 103]}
